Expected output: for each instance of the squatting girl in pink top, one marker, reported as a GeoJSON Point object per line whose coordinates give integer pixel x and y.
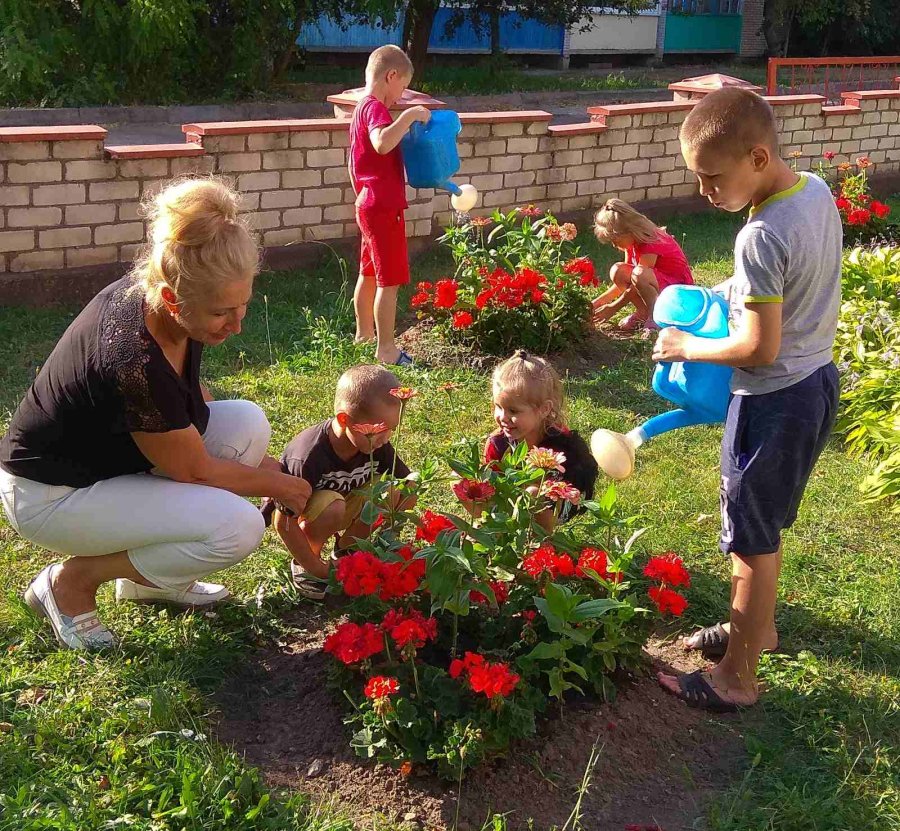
{"type": "Point", "coordinates": [653, 260]}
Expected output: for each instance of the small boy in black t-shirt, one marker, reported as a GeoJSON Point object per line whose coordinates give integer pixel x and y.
{"type": "Point", "coordinates": [337, 458]}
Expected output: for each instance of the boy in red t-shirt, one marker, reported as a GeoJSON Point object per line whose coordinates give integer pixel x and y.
{"type": "Point", "coordinates": [376, 171]}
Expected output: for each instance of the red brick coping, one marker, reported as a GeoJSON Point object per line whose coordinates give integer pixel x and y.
{"type": "Point", "coordinates": [74, 132]}
{"type": "Point", "coordinates": [286, 125]}
{"type": "Point", "coordinates": [154, 151]}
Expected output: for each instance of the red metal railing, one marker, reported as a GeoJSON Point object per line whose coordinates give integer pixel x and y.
{"type": "Point", "coordinates": [831, 76]}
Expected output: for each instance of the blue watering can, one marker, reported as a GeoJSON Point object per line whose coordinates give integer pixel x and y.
{"type": "Point", "coordinates": [431, 158]}
{"type": "Point", "coordinates": [699, 390]}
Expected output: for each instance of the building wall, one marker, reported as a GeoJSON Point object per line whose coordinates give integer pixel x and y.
{"type": "Point", "coordinates": [617, 33]}
{"type": "Point", "coordinates": [67, 202]}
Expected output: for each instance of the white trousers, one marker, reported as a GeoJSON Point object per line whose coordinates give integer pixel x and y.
{"type": "Point", "coordinates": [174, 533]}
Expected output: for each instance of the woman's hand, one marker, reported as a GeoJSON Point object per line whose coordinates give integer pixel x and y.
{"type": "Point", "coordinates": [295, 495]}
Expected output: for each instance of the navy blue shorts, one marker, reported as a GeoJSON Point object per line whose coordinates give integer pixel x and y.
{"type": "Point", "coordinates": [771, 443]}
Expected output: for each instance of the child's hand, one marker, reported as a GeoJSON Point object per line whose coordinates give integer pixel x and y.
{"type": "Point", "coordinates": [419, 113]}
{"type": "Point", "coordinates": [672, 345]}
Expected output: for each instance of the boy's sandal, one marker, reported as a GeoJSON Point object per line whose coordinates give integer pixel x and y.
{"type": "Point", "coordinates": [698, 693]}
{"type": "Point", "coordinates": [714, 642]}
{"type": "Point", "coordinates": [404, 359]}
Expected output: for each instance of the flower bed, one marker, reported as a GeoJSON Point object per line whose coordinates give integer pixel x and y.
{"type": "Point", "coordinates": [463, 626]}
{"type": "Point", "coordinates": [867, 351]}
{"type": "Point", "coordinates": [864, 218]}
{"type": "Point", "coordinates": [519, 283]}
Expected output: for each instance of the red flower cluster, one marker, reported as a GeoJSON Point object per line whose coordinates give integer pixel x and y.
{"type": "Point", "coordinates": [500, 589]}
{"type": "Point", "coordinates": [352, 642]}
{"type": "Point", "coordinates": [880, 209]}
{"type": "Point", "coordinates": [667, 600]}
{"type": "Point", "coordinates": [491, 679]}
{"type": "Point", "coordinates": [859, 216]}
{"type": "Point", "coordinates": [422, 296]}
{"type": "Point", "coordinates": [471, 490]}
{"type": "Point", "coordinates": [511, 290]}
{"type": "Point", "coordinates": [668, 568]}
{"type": "Point", "coordinates": [431, 524]}
{"type": "Point", "coordinates": [462, 320]}
{"type": "Point", "coordinates": [546, 559]}
{"type": "Point", "coordinates": [445, 292]}
{"type": "Point", "coordinates": [584, 268]}
{"type": "Point", "coordinates": [411, 629]}
{"type": "Point", "coordinates": [380, 686]}
{"type": "Point", "coordinates": [595, 559]}
{"type": "Point", "coordinates": [362, 573]}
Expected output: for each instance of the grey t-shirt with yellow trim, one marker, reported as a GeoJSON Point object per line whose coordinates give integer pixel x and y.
{"type": "Point", "coordinates": [789, 252]}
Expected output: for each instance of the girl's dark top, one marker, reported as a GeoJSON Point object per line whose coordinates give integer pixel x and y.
{"type": "Point", "coordinates": [581, 467]}
{"type": "Point", "coordinates": [106, 378]}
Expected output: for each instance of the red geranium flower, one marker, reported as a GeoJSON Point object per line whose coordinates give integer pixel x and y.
{"type": "Point", "coordinates": [483, 298]}
{"type": "Point", "coordinates": [495, 680]}
{"type": "Point", "coordinates": [859, 216]}
{"type": "Point", "coordinates": [668, 568]}
{"type": "Point", "coordinates": [462, 320]}
{"type": "Point", "coordinates": [528, 616]}
{"type": "Point", "coordinates": [546, 559]}
{"type": "Point", "coordinates": [537, 295]}
{"type": "Point", "coordinates": [594, 559]}
{"type": "Point", "coordinates": [500, 589]}
{"type": "Point", "coordinates": [419, 299]}
{"type": "Point", "coordinates": [471, 490]}
{"type": "Point", "coordinates": [411, 630]}
{"type": "Point", "coordinates": [842, 203]}
{"type": "Point", "coordinates": [879, 209]}
{"type": "Point", "coordinates": [431, 524]}
{"type": "Point", "coordinates": [667, 600]}
{"type": "Point", "coordinates": [360, 573]}
{"type": "Point", "coordinates": [584, 268]}
{"type": "Point", "coordinates": [445, 292]}
{"type": "Point", "coordinates": [352, 642]}
{"type": "Point", "coordinates": [380, 686]}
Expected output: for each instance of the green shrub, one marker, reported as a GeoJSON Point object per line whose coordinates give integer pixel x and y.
{"type": "Point", "coordinates": [867, 351]}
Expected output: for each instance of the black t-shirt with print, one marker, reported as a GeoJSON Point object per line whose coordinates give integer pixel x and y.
{"type": "Point", "coordinates": [310, 456]}
{"type": "Point", "coordinates": [106, 378]}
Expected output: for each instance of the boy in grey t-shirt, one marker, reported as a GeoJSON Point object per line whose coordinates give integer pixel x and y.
{"type": "Point", "coordinates": [784, 298]}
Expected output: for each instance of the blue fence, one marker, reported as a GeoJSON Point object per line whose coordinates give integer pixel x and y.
{"type": "Point", "coordinates": [516, 35]}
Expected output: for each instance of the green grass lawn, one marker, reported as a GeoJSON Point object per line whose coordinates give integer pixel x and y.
{"type": "Point", "coordinates": [120, 740]}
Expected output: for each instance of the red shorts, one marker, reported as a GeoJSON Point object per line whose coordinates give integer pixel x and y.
{"type": "Point", "coordinates": [383, 249]}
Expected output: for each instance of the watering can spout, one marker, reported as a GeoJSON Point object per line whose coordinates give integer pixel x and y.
{"type": "Point", "coordinates": [451, 186]}
{"type": "Point", "coordinates": [673, 420]}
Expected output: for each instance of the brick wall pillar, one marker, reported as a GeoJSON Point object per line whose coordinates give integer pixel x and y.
{"type": "Point", "coordinates": [753, 41]}
{"type": "Point", "coordinates": [661, 28]}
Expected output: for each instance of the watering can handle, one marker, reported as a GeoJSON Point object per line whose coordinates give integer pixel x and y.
{"type": "Point", "coordinates": [416, 129]}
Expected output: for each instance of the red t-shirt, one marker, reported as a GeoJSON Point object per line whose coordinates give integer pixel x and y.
{"type": "Point", "coordinates": [378, 179]}
{"type": "Point", "coordinates": [671, 265]}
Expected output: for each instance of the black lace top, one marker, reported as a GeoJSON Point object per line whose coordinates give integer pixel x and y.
{"type": "Point", "coordinates": [105, 379]}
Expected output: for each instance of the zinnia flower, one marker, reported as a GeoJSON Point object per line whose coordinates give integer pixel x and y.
{"type": "Point", "coordinates": [546, 459]}
{"type": "Point", "coordinates": [569, 231]}
{"type": "Point", "coordinates": [667, 600]}
{"type": "Point", "coordinates": [480, 221]}
{"type": "Point", "coordinates": [668, 568]}
{"type": "Point", "coordinates": [404, 393]}
{"type": "Point", "coordinates": [369, 430]}
{"type": "Point", "coordinates": [828, 155]}
{"type": "Point", "coordinates": [431, 524]}
{"type": "Point", "coordinates": [863, 162]}
{"type": "Point", "coordinates": [471, 490]}
{"type": "Point", "coordinates": [529, 210]}
{"type": "Point", "coordinates": [553, 233]}
{"type": "Point", "coordinates": [559, 490]}
{"type": "Point", "coordinates": [462, 320]}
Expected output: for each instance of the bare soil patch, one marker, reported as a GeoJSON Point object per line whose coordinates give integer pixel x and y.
{"type": "Point", "coordinates": [660, 763]}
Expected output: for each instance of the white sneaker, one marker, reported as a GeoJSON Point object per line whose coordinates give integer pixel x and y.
{"type": "Point", "coordinates": [312, 588]}
{"type": "Point", "coordinates": [195, 595]}
{"type": "Point", "coordinates": [84, 631]}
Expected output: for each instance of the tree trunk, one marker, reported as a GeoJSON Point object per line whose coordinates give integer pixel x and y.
{"type": "Point", "coordinates": [286, 58]}
{"type": "Point", "coordinates": [774, 27]}
{"type": "Point", "coordinates": [495, 30]}
{"type": "Point", "coordinates": [417, 27]}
